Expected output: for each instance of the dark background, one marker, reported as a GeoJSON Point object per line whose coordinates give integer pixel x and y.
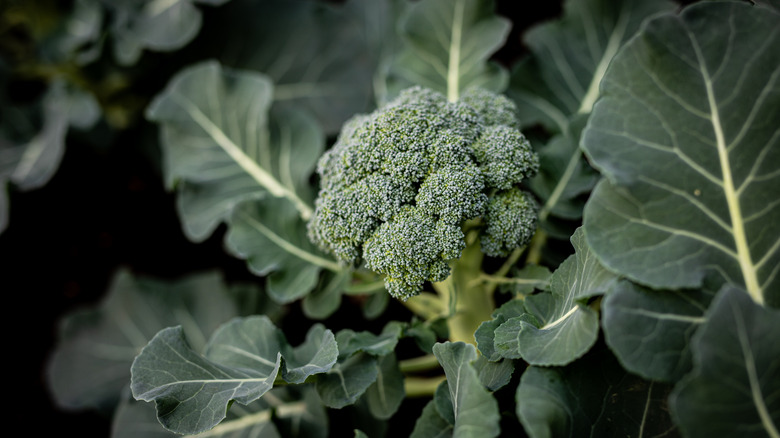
{"type": "Point", "coordinates": [105, 208]}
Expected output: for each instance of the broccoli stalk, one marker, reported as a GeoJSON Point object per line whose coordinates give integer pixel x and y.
{"type": "Point", "coordinates": [421, 190]}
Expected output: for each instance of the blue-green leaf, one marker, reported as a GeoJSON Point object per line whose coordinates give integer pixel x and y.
{"type": "Point", "coordinates": [448, 43]}
{"type": "Point", "coordinates": [686, 135]}
{"type": "Point", "coordinates": [192, 392]}
{"type": "Point", "coordinates": [734, 388]}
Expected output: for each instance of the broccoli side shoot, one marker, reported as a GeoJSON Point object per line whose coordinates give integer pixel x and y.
{"type": "Point", "coordinates": [399, 183]}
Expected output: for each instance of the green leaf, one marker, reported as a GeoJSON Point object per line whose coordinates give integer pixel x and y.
{"type": "Point", "coordinates": [430, 424]}
{"type": "Point", "coordinates": [485, 334]}
{"type": "Point", "coordinates": [321, 56]}
{"type": "Point", "coordinates": [448, 43]}
{"type": "Point", "coordinates": [556, 87]}
{"type": "Point", "coordinates": [243, 343]}
{"type": "Point", "coordinates": [289, 412]}
{"type": "Point", "coordinates": [569, 57]}
{"type": "Point", "coordinates": [343, 384]}
{"type": "Point", "coordinates": [102, 341]}
{"type": "Point", "coordinates": [564, 177]}
{"type": "Point", "coordinates": [326, 298]}
{"type": "Point", "coordinates": [494, 375]}
{"type": "Point", "coordinates": [383, 344]}
{"type": "Point", "coordinates": [686, 135]}
{"type": "Point", "coordinates": [271, 237]}
{"type": "Point", "coordinates": [31, 151]}
{"type": "Point", "coordinates": [385, 395]}
{"type": "Point", "coordinates": [734, 388]}
{"type": "Point", "coordinates": [592, 397]}
{"type": "Point", "coordinates": [650, 331]}
{"type": "Point", "coordinates": [474, 409]}
{"type": "Point", "coordinates": [192, 392]}
{"type": "Point", "coordinates": [133, 419]}
{"type": "Point", "coordinates": [558, 326]}
{"type": "Point", "coordinates": [221, 148]}
{"type": "Point", "coordinates": [153, 25]}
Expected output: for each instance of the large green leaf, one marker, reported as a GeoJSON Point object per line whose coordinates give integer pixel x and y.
{"type": "Point", "coordinates": [152, 24]}
{"type": "Point", "coordinates": [90, 365]}
{"type": "Point", "coordinates": [650, 331]}
{"type": "Point", "coordinates": [556, 87]}
{"type": "Point", "coordinates": [558, 325]}
{"type": "Point", "coordinates": [192, 392]}
{"type": "Point", "coordinates": [564, 178]}
{"type": "Point", "coordinates": [686, 135]}
{"type": "Point", "coordinates": [321, 56]}
{"type": "Point", "coordinates": [221, 147]}
{"type": "Point", "coordinates": [569, 57]}
{"type": "Point", "coordinates": [592, 397]}
{"type": "Point", "coordinates": [448, 43]}
{"type": "Point", "coordinates": [734, 389]}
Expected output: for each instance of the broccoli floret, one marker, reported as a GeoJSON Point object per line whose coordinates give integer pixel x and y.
{"type": "Point", "coordinates": [510, 222]}
{"type": "Point", "coordinates": [399, 183]}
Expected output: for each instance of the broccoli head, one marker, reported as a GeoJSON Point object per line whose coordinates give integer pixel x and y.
{"type": "Point", "coordinates": [399, 183]}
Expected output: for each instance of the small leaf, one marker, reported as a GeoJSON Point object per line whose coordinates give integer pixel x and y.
{"type": "Point", "coordinates": [735, 383]}
{"type": "Point", "coordinates": [494, 375]}
{"type": "Point", "coordinates": [474, 409]}
{"type": "Point", "coordinates": [347, 380]}
{"type": "Point", "coordinates": [592, 397]}
{"type": "Point", "coordinates": [448, 43]}
{"type": "Point", "coordinates": [650, 331]}
{"type": "Point", "coordinates": [385, 395]}
{"type": "Point", "coordinates": [558, 327]}
{"type": "Point", "coordinates": [485, 334]}
{"type": "Point", "coordinates": [383, 344]}
{"type": "Point", "coordinates": [326, 297]}
{"type": "Point", "coordinates": [689, 149]}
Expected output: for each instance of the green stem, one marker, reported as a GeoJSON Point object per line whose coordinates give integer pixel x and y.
{"type": "Point", "coordinates": [418, 364]}
{"type": "Point", "coordinates": [422, 386]}
{"type": "Point", "coordinates": [535, 250]}
{"type": "Point", "coordinates": [471, 303]}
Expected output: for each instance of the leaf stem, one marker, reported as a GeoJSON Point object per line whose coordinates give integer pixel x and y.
{"type": "Point", "coordinates": [422, 386]}
{"type": "Point", "coordinates": [418, 364]}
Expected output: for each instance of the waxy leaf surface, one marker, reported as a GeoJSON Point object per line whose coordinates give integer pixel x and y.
{"type": "Point", "coordinates": [192, 392]}
{"type": "Point", "coordinates": [448, 43]}
{"type": "Point", "coordinates": [686, 134]}
{"type": "Point", "coordinates": [734, 389]}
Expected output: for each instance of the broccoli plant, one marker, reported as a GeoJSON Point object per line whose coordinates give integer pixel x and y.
{"type": "Point", "coordinates": [448, 221]}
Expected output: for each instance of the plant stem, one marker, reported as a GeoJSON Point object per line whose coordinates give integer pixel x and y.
{"type": "Point", "coordinates": [471, 303]}
{"type": "Point", "coordinates": [422, 386]}
{"type": "Point", "coordinates": [418, 364]}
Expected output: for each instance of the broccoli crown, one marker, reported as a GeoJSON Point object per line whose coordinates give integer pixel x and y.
{"type": "Point", "coordinates": [399, 183]}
